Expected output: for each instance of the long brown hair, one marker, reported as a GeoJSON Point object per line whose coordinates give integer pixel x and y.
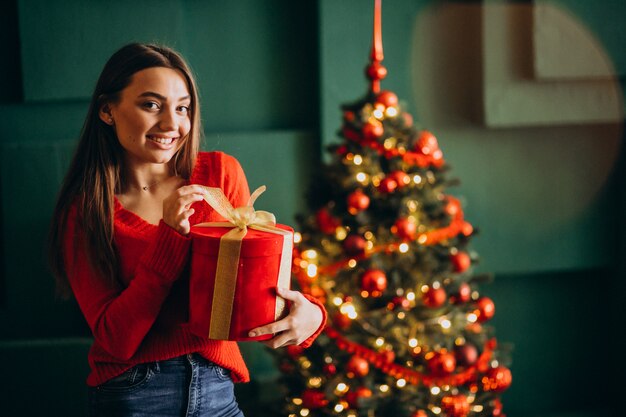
{"type": "Point", "coordinates": [96, 172]}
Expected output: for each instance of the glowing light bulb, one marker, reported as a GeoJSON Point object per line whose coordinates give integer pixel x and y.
{"type": "Point", "coordinates": [311, 270]}
{"type": "Point", "coordinates": [401, 383]}
{"type": "Point", "coordinates": [413, 342]}
{"type": "Point", "coordinates": [384, 388]}
{"type": "Point", "coordinates": [304, 412]}
{"type": "Point", "coordinates": [338, 408]}
{"type": "Point", "coordinates": [435, 390]}
{"type": "Point", "coordinates": [417, 179]}
{"type": "Point", "coordinates": [361, 177]}
{"type": "Point", "coordinates": [297, 401]}
{"type": "Point", "coordinates": [391, 112]}
{"type": "Point", "coordinates": [358, 160]}
{"type": "Point", "coordinates": [352, 263]}
{"type": "Point", "coordinates": [309, 254]}
{"type": "Point", "coordinates": [378, 113]}
{"type": "Point", "coordinates": [472, 317]}
{"type": "Point", "coordinates": [445, 323]}
{"type": "Point", "coordinates": [297, 237]}
{"type": "Point", "coordinates": [410, 296]}
{"type": "Point", "coordinates": [337, 301]}
{"type": "Point", "coordinates": [379, 342]}
{"type": "Point", "coordinates": [403, 248]}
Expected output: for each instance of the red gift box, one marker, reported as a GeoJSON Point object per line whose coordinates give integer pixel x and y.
{"type": "Point", "coordinates": [227, 307]}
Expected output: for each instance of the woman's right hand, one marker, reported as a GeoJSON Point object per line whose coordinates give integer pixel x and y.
{"type": "Point", "coordinates": [177, 207]}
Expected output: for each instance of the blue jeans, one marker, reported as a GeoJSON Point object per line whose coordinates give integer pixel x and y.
{"type": "Point", "coordinates": [186, 386]}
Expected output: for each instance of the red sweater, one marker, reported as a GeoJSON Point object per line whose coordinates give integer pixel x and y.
{"type": "Point", "coordinates": [143, 318]}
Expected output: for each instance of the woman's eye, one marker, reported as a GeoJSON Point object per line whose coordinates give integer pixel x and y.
{"type": "Point", "coordinates": [151, 105]}
{"type": "Point", "coordinates": [183, 109]}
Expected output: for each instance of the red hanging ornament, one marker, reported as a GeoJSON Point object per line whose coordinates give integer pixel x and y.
{"type": "Point", "coordinates": [460, 261]}
{"type": "Point", "coordinates": [455, 405]}
{"type": "Point", "coordinates": [387, 98]}
{"type": "Point", "coordinates": [463, 294]}
{"type": "Point", "coordinates": [398, 302]}
{"type": "Point", "coordinates": [419, 413]}
{"type": "Point", "coordinates": [357, 201]}
{"type": "Point", "coordinates": [353, 397]}
{"type": "Point", "coordinates": [497, 379]}
{"type": "Point", "coordinates": [405, 228]}
{"type": "Point", "coordinates": [497, 408]}
{"type": "Point", "coordinates": [387, 185]}
{"type": "Point", "coordinates": [374, 281]}
{"type": "Point", "coordinates": [426, 143]}
{"type": "Point", "coordinates": [486, 309]}
{"type": "Point", "coordinates": [325, 221]}
{"type": "Point", "coordinates": [466, 355]}
{"type": "Point", "coordinates": [342, 321]}
{"type": "Point", "coordinates": [358, 366]}
{"type": "Point", "coordinates": [442, 363]}
{"type": "Point", "coordinates": [314, 399]}
{"type": "Point", "coordinates": [354, 245]}
{"type": "Point", "coordinates": [330, 369]}
{"type": "Point", "coordinates": [401, 177]}
{"type": "Point", "coordinates": [348, 116]}
{"type": "Point", "coordinates": [452, 207]}
{"type": "Point", "coordinates": [373, 130]}
{"type": "Point", "coordinates": [434, 297]}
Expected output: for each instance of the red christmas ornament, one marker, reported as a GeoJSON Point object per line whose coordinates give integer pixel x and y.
{"type": "Point", "coordinates": [358, 366]}
{"type": "Point", "coordinates": [330, 369]}
{"type": "Point", "coordinates": [497, 408]}
{"type": "Point", "coordinates": [401, 177]}
{"type": "Point", "coordinates": [460, 261]}
{"type": "Point", "coordinates": [373, 130]}
{"type": "Point", "coordinates": [486, 309]}
{"type": "Point", "coordinates": [419, 413]}
{"type": "Point", "coordinates": [387, 98]}
{"type": "Point", "coordinates": [376, 71]}
{"type": "Point", "coordinates": [455, 405]}
{"type": "Point", "coordinates": [463, 294]}
{"type": "Point", "coordinates": [352, 397]}
{"type": "Point", "coordinates": [354, 245]}
{"type": "Point", "coordinates": [374, 281]}
{"type": "Point", "coordinates": [497, 379]}
{"type": "Point", "coordinates": [387, 185]}
{"type": "Point", "coordinates": [426, 143]}
{"type": "Point", "coordinates": [466, 355]}
{"type": "Point", "coordinates": [314, 399]}
{"type": "Point", "coordinates": [405, 228]}
{"type": "Point", "coordinates": [442, 363]}
{"type": "Point", "coordinates": [434, 297]}
{"type": "Point", "coordinates": [342, 321]}
{"type": "Point", "coordinates": [357, 201]}
{"type": "Point", "coordinates": [325, 221]}
{"type": "Point", "coordinates": [399, 303]}
{"type": "Point", "coordinates": [348, 116]}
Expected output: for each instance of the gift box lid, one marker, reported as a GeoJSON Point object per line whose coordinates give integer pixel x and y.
{"type": "Point", "coordinates": [206, 240]}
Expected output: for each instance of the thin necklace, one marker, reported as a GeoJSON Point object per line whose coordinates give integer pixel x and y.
{"type": "Point", "coordinates": [149, 186]}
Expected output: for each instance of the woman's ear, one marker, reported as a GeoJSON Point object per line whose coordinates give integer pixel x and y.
{"type": "Point", "coordinates": [105, 114]}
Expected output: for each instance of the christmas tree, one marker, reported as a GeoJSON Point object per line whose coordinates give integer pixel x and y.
{"type": "Point", "coordinates": [387, 250]}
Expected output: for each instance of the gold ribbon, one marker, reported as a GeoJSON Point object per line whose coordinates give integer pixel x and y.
{"type": "Point", "coordinates": [229, 250]}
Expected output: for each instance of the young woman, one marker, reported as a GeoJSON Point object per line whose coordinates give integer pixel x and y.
{"type": "Point", "coordinates": [119, 243]}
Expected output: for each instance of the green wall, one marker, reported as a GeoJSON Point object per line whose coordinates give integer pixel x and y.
{"type": "Point", "coordinates": [272, 75]}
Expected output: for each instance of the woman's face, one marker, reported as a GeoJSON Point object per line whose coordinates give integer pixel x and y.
{"type": "Point", "coordinates": [152, 117]}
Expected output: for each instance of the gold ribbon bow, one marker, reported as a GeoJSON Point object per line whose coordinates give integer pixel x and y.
{"type": "Point", "coordinates": [229, 250]}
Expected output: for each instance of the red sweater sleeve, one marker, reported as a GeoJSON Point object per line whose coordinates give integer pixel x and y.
{"type": "Point", "coordinates": [119, 317]}
{"type": "Point", "coordinates": [308, 342]}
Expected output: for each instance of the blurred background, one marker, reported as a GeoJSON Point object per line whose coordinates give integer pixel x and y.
{"type": "Point", "coordinates": [525, 98]}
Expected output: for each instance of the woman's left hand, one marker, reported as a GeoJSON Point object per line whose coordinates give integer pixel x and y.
{"type": "Point", "coordinates": [303, 320]}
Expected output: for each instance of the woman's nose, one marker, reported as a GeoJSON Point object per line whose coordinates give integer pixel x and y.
{"type": "Point", "coordinates": [168, 121]}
